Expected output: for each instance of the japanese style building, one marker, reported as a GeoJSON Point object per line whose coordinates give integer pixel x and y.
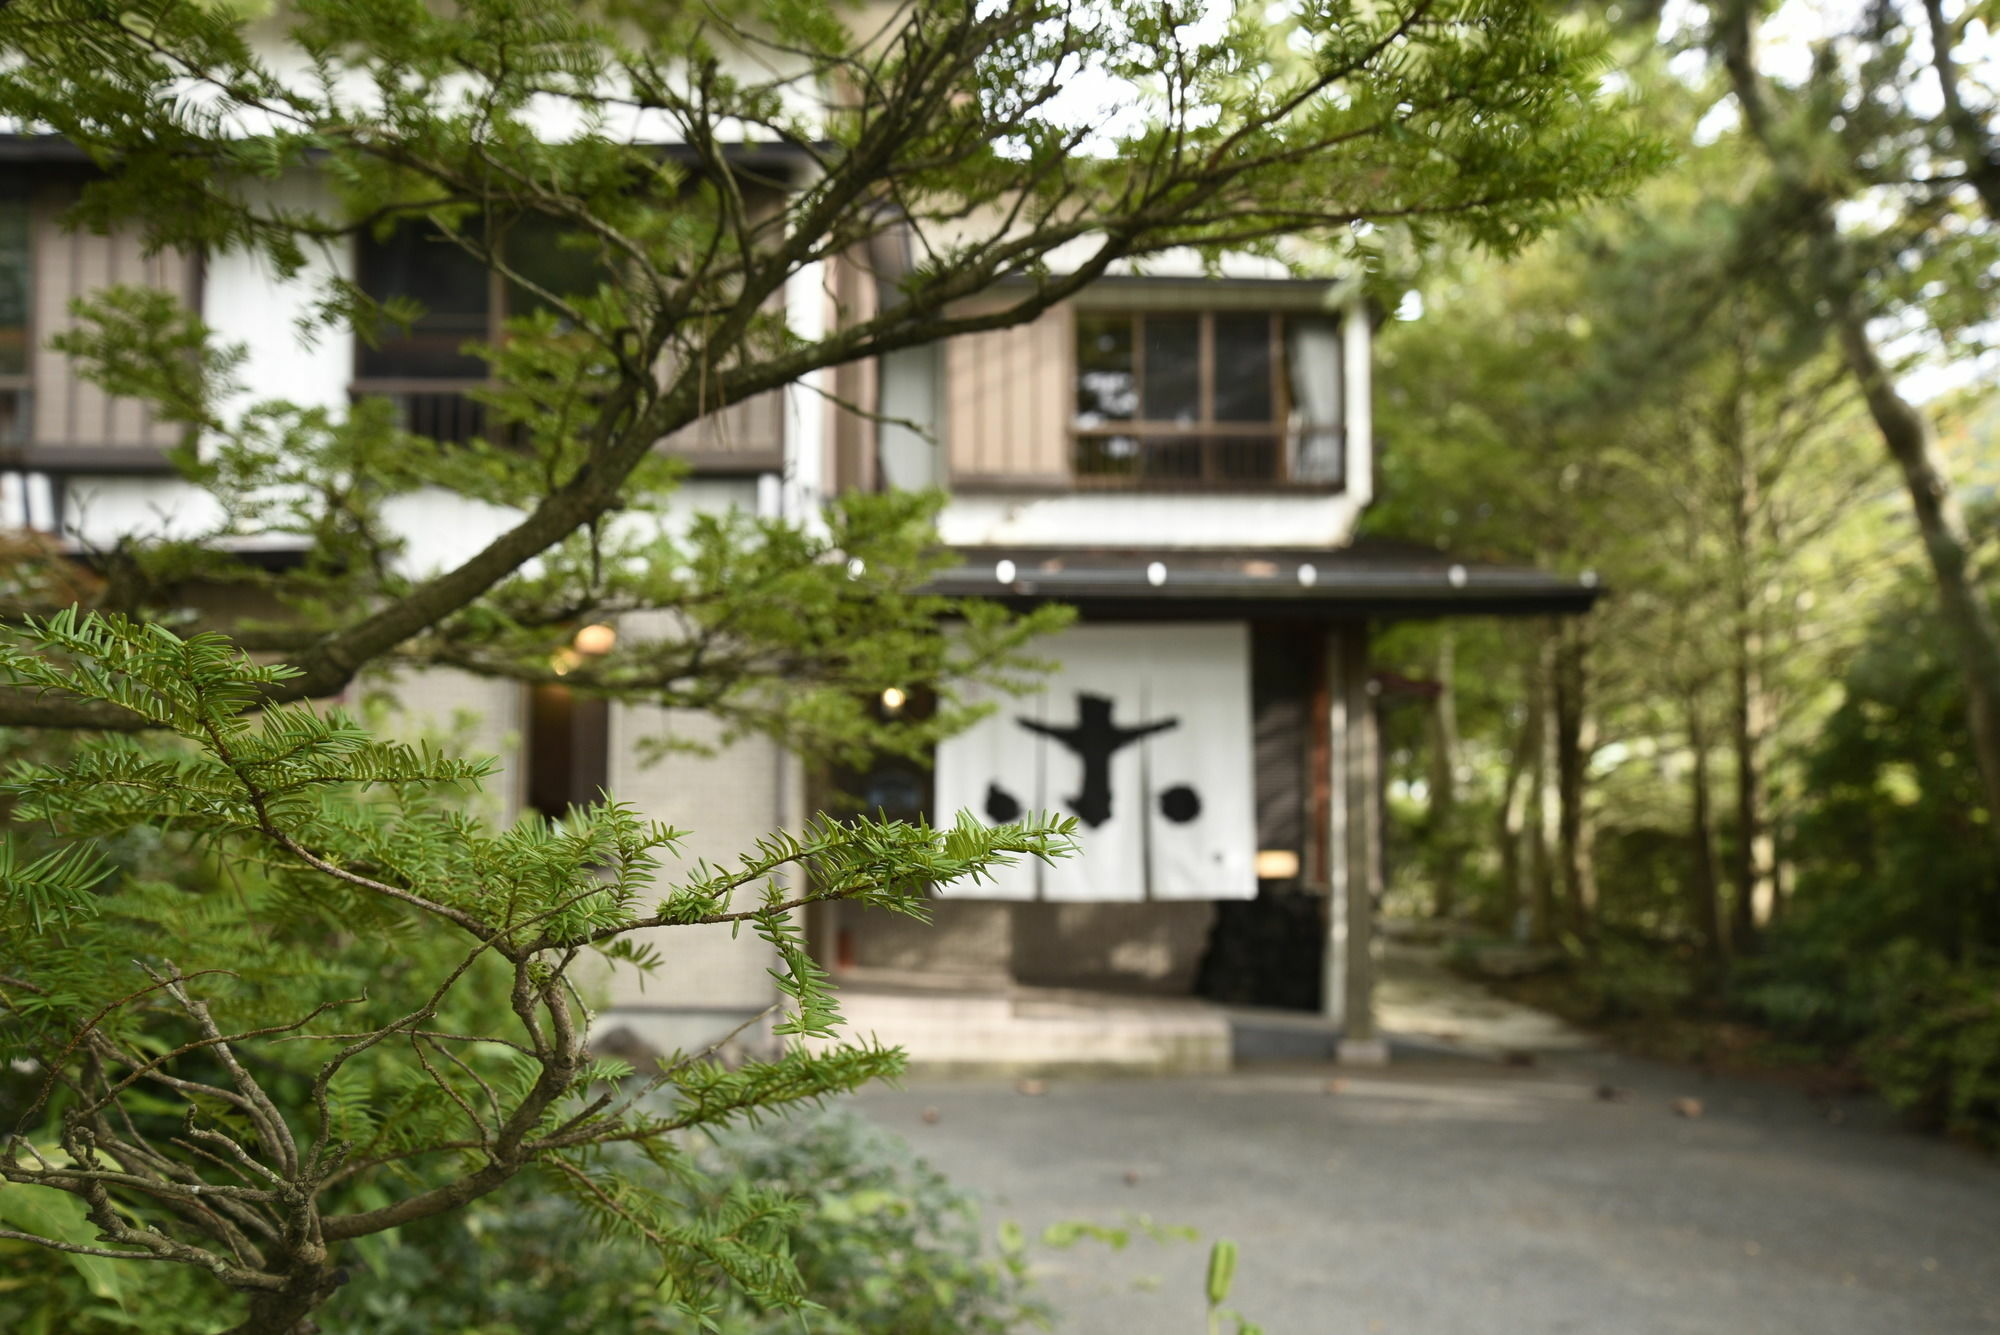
{"type": "Point", "coordinates": [1182, 458]}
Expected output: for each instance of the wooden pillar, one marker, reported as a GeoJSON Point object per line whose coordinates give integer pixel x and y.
{"type": "Point", "coordinates": [1359, 792]}
{"type": "Point", "coordinates": [1330, 781]}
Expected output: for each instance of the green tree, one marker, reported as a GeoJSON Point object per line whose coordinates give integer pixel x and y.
{"type": "Point", "coordinates": [1632, 398]}
{"type": "Point", "coordinates": [180, 1126]}
{"type": "Point", "coordinates": [179, 1122]}
{"type": "Point", "coordinates": [1927, 182]}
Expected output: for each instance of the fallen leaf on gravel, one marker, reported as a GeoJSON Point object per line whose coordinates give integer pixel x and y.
{"type": "Point", "coordinates": [1689, 1108]}
{"type": "Point", "coordinates": [930, 1116]}
{"type": "Point", "coordinates": [1334, 1086]}
{"type": "Point", "coordinates": [1032, 1087]}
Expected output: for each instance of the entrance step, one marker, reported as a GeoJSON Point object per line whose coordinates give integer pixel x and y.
{"type": "Point", "coordinates": [1033, 1030]}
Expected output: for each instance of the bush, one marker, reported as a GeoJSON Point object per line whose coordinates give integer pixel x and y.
{"type": "Point", "coordinates": [1890, 952]}
{"type": "Point", "coordinates": [1935, 1049]}
{"type": "Point", "coordinates": [884, 1242]}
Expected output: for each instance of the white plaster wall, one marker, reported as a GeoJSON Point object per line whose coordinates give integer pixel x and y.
{"type": "Point", "coordinates": [910, 447]}
{"type": "Point", "coordinates": [443, 529]}
{"type": "Point", "coordinates": [245, 301]}
{"type": "Point", "coordinates": [558, 117]}
{"type": "Point", "coordinates": [725, 803]}
{"type": "Point", "coordinates": [100, 510]}
{"type": "Point", "coordinates": [1357, 380]}
{"type": "Point", "coordinates": [809, 305]}
{"type": "Point", "coordinates": [1193, 520]}
{"type": "Point", "coordinates": [477, 717]}
{"type": "Point", "coordinates": [440, 528]}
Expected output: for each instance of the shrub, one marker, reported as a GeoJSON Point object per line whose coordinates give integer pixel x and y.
{"type": "Point", "coordinates": [884, 1243]}
{"type": "Point", "coordinates": [1935, 1049]}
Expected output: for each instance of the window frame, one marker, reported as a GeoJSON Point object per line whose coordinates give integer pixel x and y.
{"type": "Point", "coordinates": [745, 439]}
{"type": "Point", "coordinates": [1208, 433]}
{"type": "Point", "coordinates": [20, 386]}
{"type": "Point", "coordinates": [495, 320]}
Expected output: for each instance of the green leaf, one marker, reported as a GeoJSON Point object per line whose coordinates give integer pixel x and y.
{"type": "Point", "coordinates": [61, 1217]}
{"type": "Point", "coordinates": [1221, 1271]}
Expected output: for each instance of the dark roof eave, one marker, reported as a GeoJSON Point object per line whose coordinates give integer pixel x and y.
{"type": "Point", "coordinates": [1330, 599]}
{"type": "Point", "coordinates": [1368, 578]}
{"type": "Point", "coordinates": [16, 147]}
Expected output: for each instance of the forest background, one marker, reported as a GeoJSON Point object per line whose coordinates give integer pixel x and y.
{"type": "Point", "coordinates": [1738, 810]}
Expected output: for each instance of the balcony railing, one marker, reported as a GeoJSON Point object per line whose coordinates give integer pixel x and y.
{"type": "Point", "coordinates": [1141, 458]}
{"type": "Point", "coordinates": [744, 437]}
{"type": "Point", "coordinates": [443, 410]}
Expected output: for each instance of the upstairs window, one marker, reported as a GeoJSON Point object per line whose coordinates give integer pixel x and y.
{"type": "Point", "coordinates": [426, 368]}
{"type": "Point", "coordinates": [16, 341]}
{"type": "Point", "coordinates": [420, 264]}
{"type": "Point", "coordinates": [426, 371]}
{"type": "Point", "coordinates": [1211, 398]}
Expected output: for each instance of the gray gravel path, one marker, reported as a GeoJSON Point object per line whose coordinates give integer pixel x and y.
{"type": "Point", "coordinates": [1451, 1197]}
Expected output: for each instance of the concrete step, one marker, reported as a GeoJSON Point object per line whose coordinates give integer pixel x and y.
{"type": "Point", "coordinates": [1028, 1030]}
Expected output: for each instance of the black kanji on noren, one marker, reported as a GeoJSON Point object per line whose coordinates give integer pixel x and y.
{"type": "Point", "coordinates": [1095, 739]}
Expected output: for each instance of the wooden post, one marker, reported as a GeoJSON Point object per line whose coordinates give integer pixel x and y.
{"type": "Point", "coordinates": [1332, 778]}
{"type": "Point", "coordinates": [1359, 793]}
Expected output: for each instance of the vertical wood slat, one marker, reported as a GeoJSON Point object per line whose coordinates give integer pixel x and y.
{"type": "Point", "coordinates": [855, 383]}
{"type": "Point", "coordinates": [756, 426]}
{"type": "Point", "coordinates": [122, 422]}
{"type": "Point", "coordinates": [69, 410]}
{"type": "Point", "coordinates": [1007, 395]}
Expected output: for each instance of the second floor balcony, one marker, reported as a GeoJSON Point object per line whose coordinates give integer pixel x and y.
{"type": "Point", "coordinates": [744, 438]}
{"type": "Point", "coordinates": [426, 371]}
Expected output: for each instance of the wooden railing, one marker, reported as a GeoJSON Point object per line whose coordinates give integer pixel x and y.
{"type": "Point", "coordinates": [1142, 457]}
{"type": "Point", "coordinates": [443, 410]}
{"type": "Point", "coordinates": [744, 437]}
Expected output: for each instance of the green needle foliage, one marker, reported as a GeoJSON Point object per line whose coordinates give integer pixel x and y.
{"type": "Point", "coordinates": [214, 1094]}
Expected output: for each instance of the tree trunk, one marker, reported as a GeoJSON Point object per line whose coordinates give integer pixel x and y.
{"type": "Point", "coordinates": [1753, 854]}
{"type": "Point", "coordinates": [1445, 841]}
{"type": "Point", "coordinates": [289, 1311]}
{"type": "Point", "coordinates": [1913, 443]}
{"type": "Point", "coordinates": [1545, 833]}
{"type": "Point", "coordinates": [1705, 878]}
{"type": "Point", "coordinates": [1512, 822]}
{"type": "Point", "coordinates": [1905, 430]}
{"type": "Point", "coordinates": [1750, 708]}
{"type": "Point", "coordinates": [1573, 745]}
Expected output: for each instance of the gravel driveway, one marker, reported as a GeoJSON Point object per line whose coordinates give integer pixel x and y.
{"type": "Point", "coordinates": [1455, 1197]}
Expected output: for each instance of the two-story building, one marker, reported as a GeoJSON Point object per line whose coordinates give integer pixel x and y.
{"type": "Point", "coordinates": [1181, 457]}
